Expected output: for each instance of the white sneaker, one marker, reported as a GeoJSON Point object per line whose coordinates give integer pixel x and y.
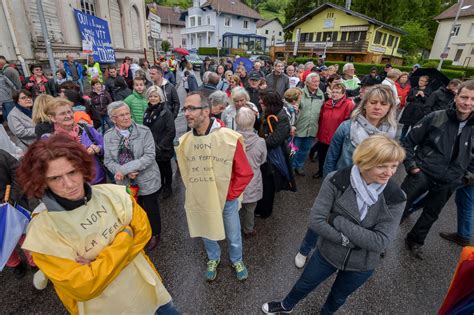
{"type": "Point", "coordinates": [300, 260]}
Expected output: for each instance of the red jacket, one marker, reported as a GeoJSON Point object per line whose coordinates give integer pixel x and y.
{"type": "Point", "coordinates": [332, 116]}
{"type": "Point", "coordinates": [403, 93]}
{"type": "Point", "coordinates": [242, 173]}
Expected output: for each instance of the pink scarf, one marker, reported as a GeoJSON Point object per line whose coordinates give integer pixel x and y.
{"type": "Point", "coordinates": [73, 134]}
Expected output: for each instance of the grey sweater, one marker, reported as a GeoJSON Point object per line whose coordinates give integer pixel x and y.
{"type": "Point", "coordinates": [336, 202]}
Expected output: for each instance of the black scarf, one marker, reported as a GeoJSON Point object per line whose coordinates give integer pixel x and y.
{"type": "Point", "coordinates": [73, 204]}
{"type": "Point", "coordinates": [152, 113]}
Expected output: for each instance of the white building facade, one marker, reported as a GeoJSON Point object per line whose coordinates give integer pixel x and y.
{"type": "Point", "coordinates": [461, 46]}
{"type": "Point", "coordinates": [22, 38]}
{"type": "Point", "coordinates": [221, 23]}
{"type": "Point", "coordinates": [272, 30]}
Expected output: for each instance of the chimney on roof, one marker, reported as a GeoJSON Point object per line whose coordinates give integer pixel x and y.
{"type": "Point", "coordinates": [176, 9]}
{"type": "Point", "coordinates": [348, 4]}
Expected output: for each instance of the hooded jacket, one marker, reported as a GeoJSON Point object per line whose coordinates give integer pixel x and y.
{"type": "Point", "coordinates": [171, 97]}
{"type": "Point", "coordinates": [256, 151]}
{"type": "Point", "coordinates": [439, 152]}
{"type": "Point", "coordinates": [331, 116]}
{"type": "Point", "coordinates": [138, 104]}
{"type": "Point", "coordinates": [439, 100]}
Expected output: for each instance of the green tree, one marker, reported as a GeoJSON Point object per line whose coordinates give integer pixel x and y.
{"type": "Point", "coordinates": [417, 38]}
{"type": "Point", "coordinates": [165, 45]}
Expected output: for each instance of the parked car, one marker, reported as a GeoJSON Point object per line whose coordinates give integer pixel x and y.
{"type": "Point", "coordinates": [195, 60]}
{"type": "Point", "coordinates": [254, 58]}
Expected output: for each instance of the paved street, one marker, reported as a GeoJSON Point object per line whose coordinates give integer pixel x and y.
{"type": "Point", "coordinates": [401, 284]}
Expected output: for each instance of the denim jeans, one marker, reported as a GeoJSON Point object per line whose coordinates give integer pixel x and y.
{"type": "Point", "coordinates": [6, 109]}
{"type": "Point", "coordinates": [167, 309]}
{"type": "Point", "coordinates": [232, 233]}
{"type": "Point", "coordinates": [81, 84]}
{"type": "Point", "coordinates": [309, 242]}
{"type": "Point", "coordinates": [304, 144]}
{"type": "Point", "coordinates": [318, 270]}
{"type": "Point", "coordinates": [465, 203]}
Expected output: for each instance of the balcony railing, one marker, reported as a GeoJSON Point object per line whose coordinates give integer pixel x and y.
{"type": "Point", "coordinates": [198, 29]}
{"type": "Point", "coordinates": [357, 46]}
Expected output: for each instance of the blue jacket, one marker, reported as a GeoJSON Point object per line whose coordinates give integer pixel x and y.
{"type": "Point", "coordinates": [170, 77]}
{"type": "Point", "coordinates": [340, 149]}
{"type": "Point", "coordinates": [80, 70]}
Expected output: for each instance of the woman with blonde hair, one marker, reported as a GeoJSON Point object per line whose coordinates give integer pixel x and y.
{"type": "Point", "coordinates": [40, 117]}
{"type": "Point", "coordinates": [356, 215]}
{"type": "Point", "coordinates": [374, 115]}
{"type": "Point", "coordinates": [160, 120]}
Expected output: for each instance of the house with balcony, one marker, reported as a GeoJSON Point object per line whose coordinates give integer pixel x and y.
{"type": "Point", "coordinates": [461, 44]}
{"type": "Point", "coordinates": [272, 30]}
{"type": "Point", "coordinates": [222, 24]}
{"type": "Point", "coordinates": [339, 34]}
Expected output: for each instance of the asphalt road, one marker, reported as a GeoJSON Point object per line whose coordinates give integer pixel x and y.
{"type": "Point", "coordinates": [400, 285]}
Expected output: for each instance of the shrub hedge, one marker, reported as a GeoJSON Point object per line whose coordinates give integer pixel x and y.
{"type": "Point", "coordinates": [453, 72]}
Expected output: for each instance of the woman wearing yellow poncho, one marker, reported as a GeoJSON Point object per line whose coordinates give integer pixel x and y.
{"type": "Point", "coordinates": [89, 241]}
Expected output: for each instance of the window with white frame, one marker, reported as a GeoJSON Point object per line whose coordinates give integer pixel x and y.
{"type": "Point", "coordinates": [192, 21]}
{"type": "Point", "coordinates": [88, 6]}
{"type": "Point", "coordinates": [227, 21]}
{"type": "Point", "coordinates": [456, 30]}
{"type": "Point", "coordinates": [199, 21]}
{"type": "Point", "coordinates": [208, 20]}
{"type": "Point", "coordinates": [209, 38]}
{"type": "Point", "coordinates": [192, 40]}
{"type": "Point", "coordinates": [183, 42]}
{"type": "Point", "coordinates": [246, 25]}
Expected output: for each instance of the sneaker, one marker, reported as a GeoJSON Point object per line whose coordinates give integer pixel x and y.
{"type": "Point", "coordinates": [300, 260]}
{"type": "Point", "coordinates": [241, 271]}
{"type": "Point", "coordinates": [454, 237]}
{"type": "Point", "coordinates": [415, 249]}
{"type": "Point", "coordinates": [274, 308]}
{"type": "Point", "coordinates": [211, 272]}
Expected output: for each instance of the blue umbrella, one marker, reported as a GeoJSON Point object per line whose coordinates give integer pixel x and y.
{"type": "Point", "coordinates": [13, 223]}
{"type": "Point", "coordinates": [244, 62]}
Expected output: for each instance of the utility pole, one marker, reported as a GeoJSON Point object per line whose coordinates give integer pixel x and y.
{"type": "Point", "coordinates": [47, 42]}
{"type": "Point", "coordinates": [444, 55]}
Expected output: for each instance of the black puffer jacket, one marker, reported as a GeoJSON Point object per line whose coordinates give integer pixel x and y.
{"type": "Point", "coordinates": [161, 123]}
{"type": "Point", "coordinates": [431, 146]}
{"type": "Point", "coordinates": [415, 104]}
{"type": "Point", "coordinates": [440, 99]}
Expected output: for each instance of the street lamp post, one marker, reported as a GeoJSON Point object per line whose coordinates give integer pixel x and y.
{"type": "Point", "coordinates": [444, 55]}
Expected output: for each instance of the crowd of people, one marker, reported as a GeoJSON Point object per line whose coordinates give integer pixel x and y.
{"type": "Point", "coordinates": [74, 158]}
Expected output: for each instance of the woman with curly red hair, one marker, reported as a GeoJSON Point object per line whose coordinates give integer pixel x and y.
{"type": "Point", "coordinates": [89, 240]}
